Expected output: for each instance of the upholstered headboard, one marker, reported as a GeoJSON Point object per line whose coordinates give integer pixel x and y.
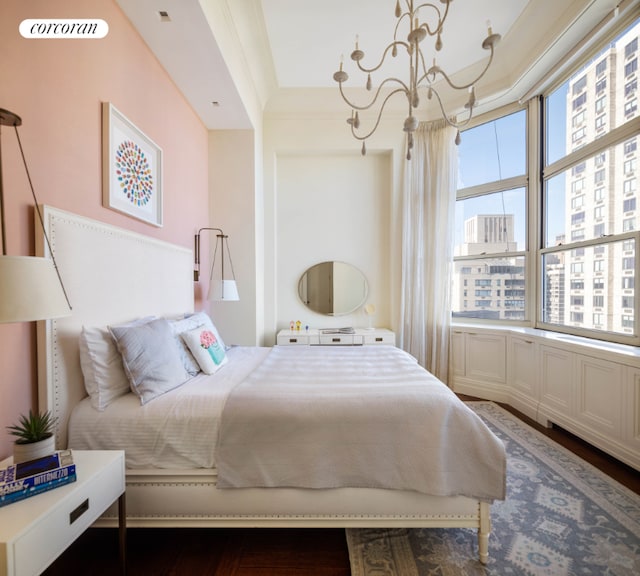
{"type": "Point", "coordinates": [111, 275]}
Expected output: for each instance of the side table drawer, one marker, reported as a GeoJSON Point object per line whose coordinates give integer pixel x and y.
{"type": "Point", "coordinates": [336, 339]}
{"type": "Point", "coordinates": [38, 546]}
{"type": "Point", "coordinates": [379, 337]}
{"type": "Point", "coordinates": [293, 339]}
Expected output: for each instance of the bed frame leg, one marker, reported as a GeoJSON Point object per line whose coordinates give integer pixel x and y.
{"type": "Point", "coordinates": [484, 531]}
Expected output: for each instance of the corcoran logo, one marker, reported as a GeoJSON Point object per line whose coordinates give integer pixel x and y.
{"type": "Point", "coordinates": [64, 28]}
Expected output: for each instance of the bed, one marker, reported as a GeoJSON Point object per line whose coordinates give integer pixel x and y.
{"type": "Point", "coordinates": [114, 276]}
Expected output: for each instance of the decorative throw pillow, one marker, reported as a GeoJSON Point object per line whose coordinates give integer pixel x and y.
{"type": "Point", "coordinates": [206, 348]}
{"type": "Point", "coordinates": [203, 319]}
{"type": "Point", "coordinates": [150, 358]}
{"type": "Point", "coordinates": [101, 363]}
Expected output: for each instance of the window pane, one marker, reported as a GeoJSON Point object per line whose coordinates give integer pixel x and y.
{"type": "Point", "coordinates": [595, 201]}
{"type": "Point", "coordinates": [489, 288]}
{"type": "Point", "coordinates": [491, 223]}
{"type": "Point", "coordinates": [599, 97]}
{"type": "Point", "coordinates": [493, 151]}
{"type": "Point", "coordinates": [593, 289]}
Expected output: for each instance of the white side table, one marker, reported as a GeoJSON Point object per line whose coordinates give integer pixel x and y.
{"type": "Point", "coordinates": [315, 337]}
{"type": "Point", "coordinates": [35, 531]}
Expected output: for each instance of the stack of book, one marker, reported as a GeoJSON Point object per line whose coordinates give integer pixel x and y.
{"type": "Point", "coordinates": [20, 481]}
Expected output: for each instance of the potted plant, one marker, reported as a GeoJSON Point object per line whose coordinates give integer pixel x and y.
{"type": "Point", "coordinates": [34, 436]}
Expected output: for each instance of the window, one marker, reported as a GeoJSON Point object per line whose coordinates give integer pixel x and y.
{"type": "Point", "coordinates": [579, 134]}
{"type": "Point", "coordinates": [491, 221]}
{"type": "Point", "coordinates": [580, 85]}
{"type": "Point", "coordinates": [600, 214]}
{"type": "Point", "coordinates": [579, 169]}
{"type": "Point", "coordinates": [582, 268]}
{"type": "Point", "coordinates": [629, 186]}
{"type": "Point", "coordinates": [579, 119]}
{"type": "Point", "coordinates": [629, 205]}
{"type": "Point", "coordinates": [580, 101]}
{"type": "Point", "coordinates": [578, 185]}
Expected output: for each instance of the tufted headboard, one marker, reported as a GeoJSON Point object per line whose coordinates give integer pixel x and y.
{"type": "Point", "coordinates": [111, 275]}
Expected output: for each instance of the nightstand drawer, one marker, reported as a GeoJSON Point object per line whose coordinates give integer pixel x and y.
{"type": "Point", "coordinates": [46, 524]}
{"type": "Point", "coordinates": [379, 337]}
{"type": "Point", "coordinates": [289, 339]}
{"type": "Point", "coordinates": [337, 340]}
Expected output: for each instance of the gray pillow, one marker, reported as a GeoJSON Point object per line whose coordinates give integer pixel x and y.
{"type": "Point", "coordinates": [150, 358]}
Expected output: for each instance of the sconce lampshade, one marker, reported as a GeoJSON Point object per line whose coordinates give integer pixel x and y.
{"type": "Point", "coordinates": [224, 291]}
{"type": "Point", "coordinates": [30, 290]}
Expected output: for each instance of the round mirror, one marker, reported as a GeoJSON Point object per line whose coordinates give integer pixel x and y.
{"type": "Point", "coordinates": [333, 288]}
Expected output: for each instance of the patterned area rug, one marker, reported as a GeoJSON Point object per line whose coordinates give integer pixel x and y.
{"type": "Point", "coordinates": [561, 517]}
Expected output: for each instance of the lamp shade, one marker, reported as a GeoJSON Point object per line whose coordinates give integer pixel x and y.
{"type": "Point", "coordinates": [30, 290]}
{"type": "Point", "coordinates": [224, 290]}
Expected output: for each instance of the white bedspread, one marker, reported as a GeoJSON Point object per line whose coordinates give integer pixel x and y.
{"type": "Point", "coordinates": [370, 416]}
{"type": "Point", "coordinates": [176, 430]}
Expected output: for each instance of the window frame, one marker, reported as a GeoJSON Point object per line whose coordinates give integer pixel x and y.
{"type": "Point", "coordinates": [512, 183]}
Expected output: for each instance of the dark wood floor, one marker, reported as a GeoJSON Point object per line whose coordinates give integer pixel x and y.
{"type": "Point", "coordinates": [254, 552]}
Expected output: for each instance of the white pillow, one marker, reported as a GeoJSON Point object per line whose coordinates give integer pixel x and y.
{"type": "Point", "coordinates": [206, 348]}
{"type": "Point", "coordinates": [150, 358]}
{"type": "Point", "coordinates": [178, 327]}
{"type": "Point", "coordinates": [101, 363]}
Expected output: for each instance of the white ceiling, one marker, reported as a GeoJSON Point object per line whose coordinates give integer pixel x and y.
{"type": "Point", "coordinates": [308, 38]}
{"type": "Point", "coordinates": [221, 50]}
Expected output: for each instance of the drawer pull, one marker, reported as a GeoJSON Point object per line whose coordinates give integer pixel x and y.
{"type": "Point", "coordinates": [293, 340]}
{"type": "Point", "coordinates": [335, 340]}
{"type": "Point", "coordinates": [379, 338]}
{"type": "Point", "coordinates": [79, 511]}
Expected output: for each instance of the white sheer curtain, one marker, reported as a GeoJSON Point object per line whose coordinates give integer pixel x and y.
{"type": "Point", "coordinates": [427, 245]}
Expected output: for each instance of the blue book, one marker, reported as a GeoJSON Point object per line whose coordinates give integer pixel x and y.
{"type": "Point", "coordinates": [20, 481]}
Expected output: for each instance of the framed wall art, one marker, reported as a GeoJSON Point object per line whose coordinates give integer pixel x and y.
{"type": "Point", "coordinates": [131, 168]}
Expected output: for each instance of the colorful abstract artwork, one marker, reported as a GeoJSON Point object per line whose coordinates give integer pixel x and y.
{"type": "Point", "coordinates": [132, 169]}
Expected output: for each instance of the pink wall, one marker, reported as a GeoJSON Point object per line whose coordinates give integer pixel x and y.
{"type": "Point", "coordinates": [57, 87]}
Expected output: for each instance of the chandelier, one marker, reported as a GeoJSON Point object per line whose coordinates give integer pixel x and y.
{"type": "Point", "coordinates": [420, 76]}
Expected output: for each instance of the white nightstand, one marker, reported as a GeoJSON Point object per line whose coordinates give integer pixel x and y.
{"type": "Point", "coordinates": [35, 531]}
{"type": "Point", "coordinates": [315, 337]}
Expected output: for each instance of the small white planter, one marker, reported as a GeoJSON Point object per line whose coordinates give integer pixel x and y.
{"type": "Point", "coordinates": [25, 452]}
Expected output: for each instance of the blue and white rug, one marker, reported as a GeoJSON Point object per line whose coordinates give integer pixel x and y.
{"type": "Point", "coordinates": [561, 517]}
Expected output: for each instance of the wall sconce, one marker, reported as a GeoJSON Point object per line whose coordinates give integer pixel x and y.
{"type": "Point", "coordinates": [224, 289]}
{"type": "Point", "coordinates": [31, 287]}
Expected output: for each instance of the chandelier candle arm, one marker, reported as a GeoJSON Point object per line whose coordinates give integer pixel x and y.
{"type": "Point", "coordinates": [419, 76]}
